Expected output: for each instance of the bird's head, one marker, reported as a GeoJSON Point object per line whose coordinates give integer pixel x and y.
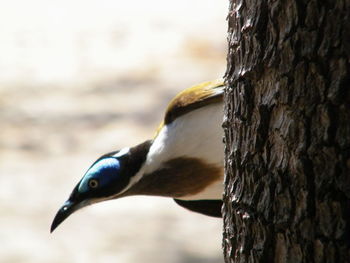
{"type": "Point", "coordinates": [107, 178]}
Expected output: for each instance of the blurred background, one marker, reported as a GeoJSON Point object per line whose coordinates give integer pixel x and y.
{"type": "Point", "coordinates": [82, 78]}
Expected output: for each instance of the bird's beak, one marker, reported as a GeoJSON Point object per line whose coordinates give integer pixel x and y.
{"type": "Point", "coordinates": [68, 208]}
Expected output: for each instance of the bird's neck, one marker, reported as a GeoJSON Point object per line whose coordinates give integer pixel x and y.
{"type": "Point", "coordinates": [136, 157]}
{"type": "Point", "coordinates": [177, 178]}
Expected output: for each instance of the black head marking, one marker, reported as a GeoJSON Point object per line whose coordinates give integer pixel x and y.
{"type": "Point", "coordinates": [105, 179]}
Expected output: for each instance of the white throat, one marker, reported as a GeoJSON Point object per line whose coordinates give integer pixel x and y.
{"type": "Point", "coordinates": [197, 134]}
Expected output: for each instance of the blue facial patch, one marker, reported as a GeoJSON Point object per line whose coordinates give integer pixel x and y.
{"type": "Point", "coordinates": [104, 171]}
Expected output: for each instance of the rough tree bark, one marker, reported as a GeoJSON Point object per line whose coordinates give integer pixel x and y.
{"type": "Point", "coordinates": [287, 132]}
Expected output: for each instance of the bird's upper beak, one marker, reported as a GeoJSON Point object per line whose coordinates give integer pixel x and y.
{"type": "Point", "coordinates": [68, 208]}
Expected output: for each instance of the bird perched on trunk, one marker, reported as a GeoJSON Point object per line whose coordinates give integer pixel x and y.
{"type": "Point", "coordinates": [183, 161]}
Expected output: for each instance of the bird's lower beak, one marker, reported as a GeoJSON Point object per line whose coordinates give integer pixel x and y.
{"type": "Point", "coordinates": [65, 211]}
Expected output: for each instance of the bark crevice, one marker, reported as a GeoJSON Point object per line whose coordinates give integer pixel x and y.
{"type": "Point", "coordinates": [287, 132]}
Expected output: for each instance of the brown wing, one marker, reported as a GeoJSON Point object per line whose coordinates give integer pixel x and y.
{"type": "Point", "coordinates": [205, 207]}
{"type": "Point", "coordinates": [193, 98]}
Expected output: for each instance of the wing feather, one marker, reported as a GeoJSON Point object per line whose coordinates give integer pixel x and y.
{"type": "Point", "coordinates": [194, 98]}
{"type": "Point", "coordinates": [205, 207]}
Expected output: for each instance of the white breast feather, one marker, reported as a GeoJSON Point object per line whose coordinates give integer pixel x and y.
{"type": "Point", "coordinates": [196, 134]}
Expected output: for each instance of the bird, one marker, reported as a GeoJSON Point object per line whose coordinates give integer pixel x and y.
{"type": "Point", "coordinates": [183, 161]}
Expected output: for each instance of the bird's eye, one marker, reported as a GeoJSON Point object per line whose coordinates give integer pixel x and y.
{"type": "Point", "coordinates": [93, 183]}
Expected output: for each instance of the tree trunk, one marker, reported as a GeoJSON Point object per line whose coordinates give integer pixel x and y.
{"type": "Point", "coordinates": [287, 132]}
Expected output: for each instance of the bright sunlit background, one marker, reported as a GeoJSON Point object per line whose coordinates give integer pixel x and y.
{"type": "Point", "coordinates": [81, 78]}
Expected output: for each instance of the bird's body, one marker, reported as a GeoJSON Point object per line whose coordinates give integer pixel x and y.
{"type": "Point", "coordinates": [183, 161]}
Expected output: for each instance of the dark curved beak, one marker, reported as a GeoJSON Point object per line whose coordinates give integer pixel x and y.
{"type": "Point", "coordinates": [65, 211]}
